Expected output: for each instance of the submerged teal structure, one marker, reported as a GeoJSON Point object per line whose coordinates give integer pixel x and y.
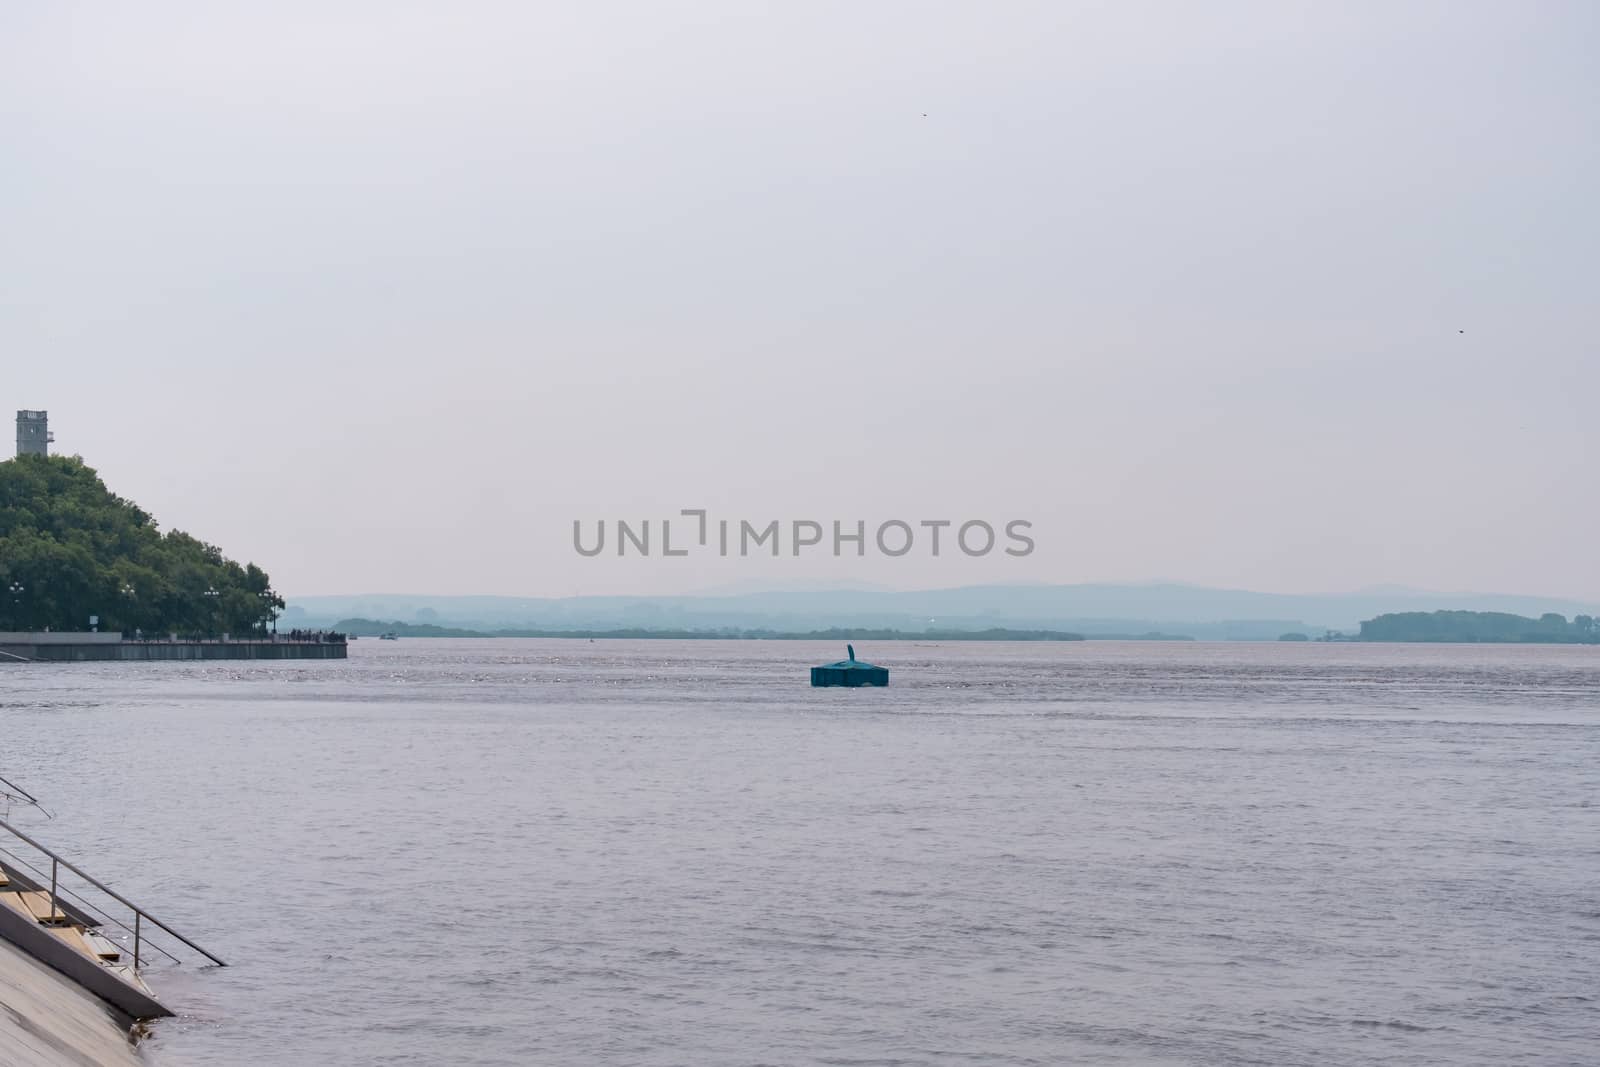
{"type": "Point", "coordinates": [849, 672]}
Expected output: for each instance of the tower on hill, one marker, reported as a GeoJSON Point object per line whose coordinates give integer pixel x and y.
{"type": "Point", "coordinates": [33, 433]}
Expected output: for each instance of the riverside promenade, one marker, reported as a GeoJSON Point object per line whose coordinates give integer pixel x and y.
{"type": "Point", "coordinates": [39, 647]}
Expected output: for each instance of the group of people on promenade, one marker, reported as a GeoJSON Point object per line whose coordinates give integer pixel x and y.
{"type": "Point", "coordinates": [323, 637]}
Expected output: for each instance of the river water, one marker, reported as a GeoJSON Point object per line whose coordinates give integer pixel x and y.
{"type": "Point", "coordinates": [653, 853]}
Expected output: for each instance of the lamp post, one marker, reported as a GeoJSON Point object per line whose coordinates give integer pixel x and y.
{"type": "Point", "coordinates": [127, 593]}
{"type": "Point", "coordinates": [211, 595]}
{"type": "Point", "coordinates": [17, 589]}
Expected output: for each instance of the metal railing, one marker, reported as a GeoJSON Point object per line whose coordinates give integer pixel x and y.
{"type": "Point", "coordinates": [57, 891]}
{"type": "Point", "coordinates": [98, 914]}
{"type": "Point", "coordinates": [180, 640]}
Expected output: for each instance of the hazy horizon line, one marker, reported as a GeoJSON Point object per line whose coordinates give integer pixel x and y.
{"type": "Point", "coordinates": [714, 592]}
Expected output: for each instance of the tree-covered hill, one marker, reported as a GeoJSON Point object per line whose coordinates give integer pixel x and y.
{"type": "Point", "coordinates": [70, 549]}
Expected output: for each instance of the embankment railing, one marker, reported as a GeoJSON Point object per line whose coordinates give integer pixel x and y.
{"type": "Point", "coordinates": [140, 915]}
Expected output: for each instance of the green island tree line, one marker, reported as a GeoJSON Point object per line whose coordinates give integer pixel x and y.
{"type": "Point", "coordinates": [1471, 627]}
{"type": "Point", "coordinates": [71, 549]}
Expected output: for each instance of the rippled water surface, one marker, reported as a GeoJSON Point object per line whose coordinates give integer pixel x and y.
{"type": "Point", "coordinates": [546, 852]}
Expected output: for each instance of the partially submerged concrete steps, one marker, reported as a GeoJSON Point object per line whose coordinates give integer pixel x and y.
{"type": "Point", "coordinates": [62, 937]}
{"type": "Point", "coordinates": [60, 928]}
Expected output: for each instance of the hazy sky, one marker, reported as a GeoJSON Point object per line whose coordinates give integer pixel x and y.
{"type": "Point", "coordinates": [384, 296]}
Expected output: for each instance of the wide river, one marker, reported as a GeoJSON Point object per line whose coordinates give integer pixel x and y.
{"type": "Point", "coordinates": [653, 853]}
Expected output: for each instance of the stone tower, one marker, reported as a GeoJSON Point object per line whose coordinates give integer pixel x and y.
{"type": "Point", "coordinates": [33, 433]}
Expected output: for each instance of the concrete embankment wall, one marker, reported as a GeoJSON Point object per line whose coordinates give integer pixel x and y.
{"type": "Point", "coordinates": [49, 1021]}
{"type": "Point", "coordinates": [61, 651]}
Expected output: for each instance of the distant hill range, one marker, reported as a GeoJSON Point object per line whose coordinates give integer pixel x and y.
{"type": "Point", "coordinates": [1091, 610]}
{"type": "Point", "coordinates": [376, 628]}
